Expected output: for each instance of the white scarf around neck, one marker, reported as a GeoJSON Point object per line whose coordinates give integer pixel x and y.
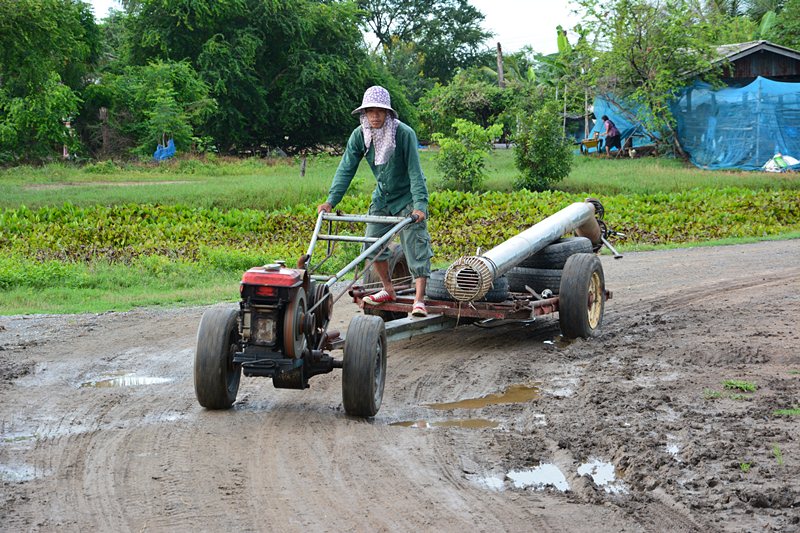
{"type": "Point", "coordinates": [384, 137]}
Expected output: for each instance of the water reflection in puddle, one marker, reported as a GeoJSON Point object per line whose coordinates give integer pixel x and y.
{"type": "Point", "coordinates": [513, 394]}
{"type": "Point", "coordinates": [604, 475]}
{"type": "Point", "coordinates": [125, 381]}
{"type": "Point", "coordinates": [673, 447]}
{"type": "Point", "coordinates": [16, 473]}
{"type": "Point", "coordinates": [540, 477]}
{"type": "Point", "coordinates": [468, 423]}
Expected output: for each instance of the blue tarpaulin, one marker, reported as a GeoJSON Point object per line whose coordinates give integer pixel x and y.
{"type": "Point", "coordinates": [740, 128]}
{"type": "Point", "coordinates": [164, 152]}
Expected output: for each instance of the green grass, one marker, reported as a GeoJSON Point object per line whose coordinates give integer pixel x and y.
{"type": "Point", "coordinates": [787, 412]}
{"type": "Point", "coordinates": [276, 184]}
{"type": "Point", "coordinates": [102, 286]}
{"type": "Point", "coordinates": [776, 451]}
{"type": "Point", "coordinates": [741, 385]}
{"type": "Point", "coordinates": [744, 467]}
{"type": "Point", "coordinates": [252, 183]}
{"type": "Point", "coordinates": [711, 394]}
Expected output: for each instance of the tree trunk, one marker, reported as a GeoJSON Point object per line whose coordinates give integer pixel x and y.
{"type": "Point", "coordinates": [585, 114]}
{"type": "Point", "coordinates": [501, 80]}
{"type": "Point", "coordinates": [676, 144]}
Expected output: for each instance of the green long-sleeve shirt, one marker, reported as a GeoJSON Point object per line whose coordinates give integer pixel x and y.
{"type": "Point", "coordinates": [400, 180]}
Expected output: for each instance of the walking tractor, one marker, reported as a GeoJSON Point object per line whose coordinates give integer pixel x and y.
{"type": "Point", "coordinates": [280, 329]}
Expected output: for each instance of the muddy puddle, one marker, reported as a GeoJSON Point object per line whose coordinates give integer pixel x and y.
{"type": "Point", "coordinates": [540, 477]}
{"type": "Point", "coordinates": [604, 475]}
{"type": "Point", "coordinates": [550, 476]}
{"type": "Point", "coordinates": [512, 394]}
{"type": "Point", "coordinates": [19, 473]}
{"type": "Point", "coordinates": [468, 423]}
{"type": "Point", "coordinates": [124, 381]}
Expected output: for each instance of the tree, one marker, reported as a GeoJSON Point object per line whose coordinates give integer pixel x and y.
{"type": "Point", "coordinates": [147, 103]}
{"type": "Point", "coordinates": [447, 33]}
{"type": "Point", "coordinates": [541, 152]}
{"type": "Point", "coordinates": [407, 65]}
{"type": "Point", "coordinates": [787, 25]}
{"type": "Point", "coordinates": [650, 52]}
{"type": "Point", "coordinates": [47, 48]}
{"type": "Point", "coordinates": [461, 158]}
{"type": "Point", "coordinates": [469, 96]}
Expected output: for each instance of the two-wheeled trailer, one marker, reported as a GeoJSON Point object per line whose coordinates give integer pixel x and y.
{"type": "Point", "coordinates": [280, 327]}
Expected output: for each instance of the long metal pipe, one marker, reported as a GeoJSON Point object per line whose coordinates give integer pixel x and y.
{"type": "Point", "coordinates": [471, 277]}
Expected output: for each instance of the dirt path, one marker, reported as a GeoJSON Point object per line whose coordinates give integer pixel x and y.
{"type": "Point", "coordinates": [641, 408]}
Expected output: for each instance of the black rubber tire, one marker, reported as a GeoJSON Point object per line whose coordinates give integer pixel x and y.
{"type": "Point", "coordinates": [216, 377]}
{"type": "Point", "coordinates": [554, 256]}
{"type": "Point", "coordinates": [537, 279]}
{"type": "Point", "coordinates": [398, 268]}
{"type": "Point", "coordinates": [364, 366]}
{"type": "Point", "coordinates": [582, 298]}
{"type": "Point", "coordinates": [436, 290]}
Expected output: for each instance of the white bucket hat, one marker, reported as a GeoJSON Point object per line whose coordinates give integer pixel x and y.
{"type": "Point", "coordinates": [376, 96]}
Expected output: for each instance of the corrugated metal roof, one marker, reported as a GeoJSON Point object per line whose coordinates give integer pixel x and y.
{"type": "Point", "coordinates": [732, 52]}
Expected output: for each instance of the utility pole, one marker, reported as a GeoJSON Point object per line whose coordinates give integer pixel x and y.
{"type": "Point", "coordinates": [501, 80]}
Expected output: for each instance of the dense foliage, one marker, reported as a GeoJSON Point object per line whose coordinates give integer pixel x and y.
{"type": "Point", "coordinates": [445, 34]}
{"type": "Point", "coordinates": [283, 73]}
{"type": "Point", "coordinates": [468, 96]}
{"type": "Point", "coordinates": [459, 222]}
{"type": "Point", "coordinates": [47, 47]}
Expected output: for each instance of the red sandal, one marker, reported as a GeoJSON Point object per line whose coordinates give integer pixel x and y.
{"type": "Point", "coordinates": [379, 298]}
{"type": "Point", "coordinates": [419, 309]}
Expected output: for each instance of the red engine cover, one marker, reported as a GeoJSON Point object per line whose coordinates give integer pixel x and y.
{"type": "Point", "coordinates": [282, 277]}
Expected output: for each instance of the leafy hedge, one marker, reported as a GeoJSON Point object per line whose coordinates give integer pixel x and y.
{"type": "Point", "coordinates": [459, 223]}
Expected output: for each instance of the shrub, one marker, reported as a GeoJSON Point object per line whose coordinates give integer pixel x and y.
{"type": "Point", "coordinates": [461, 159]}
{"type": "Point", "coordinates": [541, 152]}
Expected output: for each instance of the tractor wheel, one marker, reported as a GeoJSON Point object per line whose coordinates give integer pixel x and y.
{"type": "Point", "coordinates": [436, 290]}
{"type": "Point", "coordinates": [364, 366]}
{"type": "Point", "coordinates": [216, 377]}
{"type": "Point", "coordinates": [582, 297]}
{"type": "Point", "coordinates": [537, 279]}
{"type": "Point", "coordinates": [555, 255]}
{"type": "Point", "coordinates": [398, 270]}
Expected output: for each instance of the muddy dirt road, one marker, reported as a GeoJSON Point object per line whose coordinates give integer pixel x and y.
{"type": "Point", "coordinates": [632, 431]}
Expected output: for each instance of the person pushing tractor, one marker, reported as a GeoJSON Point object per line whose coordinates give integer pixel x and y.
{"type": "Point", "coordinates": [390, 148]}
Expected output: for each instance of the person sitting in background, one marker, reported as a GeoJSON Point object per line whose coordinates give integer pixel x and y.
{"type": "Point", "coordinates": [611, 134]}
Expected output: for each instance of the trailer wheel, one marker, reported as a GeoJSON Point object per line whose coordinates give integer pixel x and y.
{"type": "Point", "coordinates": [216, 377]}
{"type": "Point", "coordinates": [398, 269]}
{"type": "Point", "coordinates": [582, 297]}
{"type": "Point", "coordinates": [436, 290]}
{"type": "Point", "coordinates": [555, 255]}
{"type": "Point", "coordinates": [537, 279]}
{"type": "Point", "coordinates": [364, 366]}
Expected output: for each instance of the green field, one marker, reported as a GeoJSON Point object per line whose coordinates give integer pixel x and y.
{"type": "Point", "coordinates": [113, 236]}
